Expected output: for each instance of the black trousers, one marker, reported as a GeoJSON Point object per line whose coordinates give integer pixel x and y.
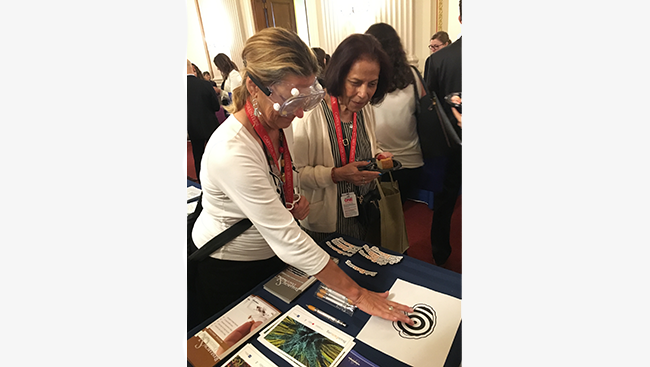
{"type": "Point", "coordinates": [198, 147]}
{"type": "Point", "coordinates": [221, 282]}
{"type": "Point", "coordinates": [408, 179]}
{"type": "Point", "coordinates": [443, 207]}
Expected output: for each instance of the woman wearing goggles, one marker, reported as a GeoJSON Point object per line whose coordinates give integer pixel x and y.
{"type": "Point", "coordinates": [289, 98]}
{"type": "Point", "coordinates": [248, 172]}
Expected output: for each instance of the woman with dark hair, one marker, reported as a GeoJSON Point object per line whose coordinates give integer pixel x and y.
{"type": "Point", "coordinates": [335, 139]}
{"type": "Point", "coordinates": [230, 74]}
{"type": "Point", "coordinates": [396, 122]}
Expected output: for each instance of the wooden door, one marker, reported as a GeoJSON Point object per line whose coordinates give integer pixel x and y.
{"type": "Point", "coordinates": [274, 13]}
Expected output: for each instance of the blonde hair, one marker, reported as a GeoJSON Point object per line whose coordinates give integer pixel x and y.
{"type": "Point", "coordinates": [270, 55]}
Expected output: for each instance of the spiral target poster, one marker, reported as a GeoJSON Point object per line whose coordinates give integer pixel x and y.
{"type": "Point", "coordinates": [427, 342]}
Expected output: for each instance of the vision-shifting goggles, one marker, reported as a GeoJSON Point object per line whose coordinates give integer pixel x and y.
{"type": "Point", "coordinates": [305, 98]}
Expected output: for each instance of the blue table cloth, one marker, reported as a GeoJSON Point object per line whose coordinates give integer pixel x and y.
{"type": "Point", "coordinates": [409, 269]}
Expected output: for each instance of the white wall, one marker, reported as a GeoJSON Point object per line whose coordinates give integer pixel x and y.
{"type": "Point", "coordinates": [312, 27]}
{"type": "Point", "coordinates": [195, 49]}
{"type": "Point", "coordinates": [452, 26]}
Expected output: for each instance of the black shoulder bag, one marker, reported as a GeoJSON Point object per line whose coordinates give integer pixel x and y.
{"type": "Point", "coordinates": [436, 133]}
{"type": "Point", "coordinates": [197, 255]}
{"type": "Point", "coordinates": [215, 243]}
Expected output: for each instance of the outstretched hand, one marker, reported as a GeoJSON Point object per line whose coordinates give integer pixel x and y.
{"type": "Point", "coordinates": [377, 304]}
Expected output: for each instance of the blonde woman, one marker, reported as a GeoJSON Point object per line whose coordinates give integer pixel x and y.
{"type": "Point", "coordinates": [247, 172]}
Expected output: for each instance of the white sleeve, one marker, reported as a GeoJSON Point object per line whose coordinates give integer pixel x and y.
{"type": "Point", "coordinates": [369, 119]}
{"type": "Point", "coordinates": [238, 172]}
{"type": "Point", "coordinates": [235, 80]}
{"type": "Point", "coordinates": [309, 150]}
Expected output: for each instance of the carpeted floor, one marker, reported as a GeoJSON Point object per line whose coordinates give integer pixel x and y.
{"type": "Point", "coordinates": [418, 224]}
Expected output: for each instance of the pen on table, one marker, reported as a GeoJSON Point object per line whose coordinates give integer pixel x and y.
{"type": "Point", "coordinates": [331, 318]}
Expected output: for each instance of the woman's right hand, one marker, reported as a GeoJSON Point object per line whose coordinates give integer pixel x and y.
{"type": "Point", "coordinates": [377, 304]}
{"type": "Point", "coordinates": [350, 173]}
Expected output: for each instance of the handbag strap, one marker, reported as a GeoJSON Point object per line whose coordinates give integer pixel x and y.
{"type": "Point", "coordinates": [442, 115]}
{"type": "Point", "coordinates": [381, 189]}
{"type": "Point", "coordinates": [415, 90]}
{"type": "Point", "coordinates": [221, 239]}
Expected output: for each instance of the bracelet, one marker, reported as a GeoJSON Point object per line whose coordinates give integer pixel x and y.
{"type": "Point", "coordinates": [333, 179]}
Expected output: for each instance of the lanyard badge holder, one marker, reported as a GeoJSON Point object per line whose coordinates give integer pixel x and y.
{"type": "Point", "coordinates": [349, 199]}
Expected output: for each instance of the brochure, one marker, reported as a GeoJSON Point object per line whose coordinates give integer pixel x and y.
{"type": "Point", "coordinates": [303, 340]}
{"type": "Point", "coordinates": [225, 334]}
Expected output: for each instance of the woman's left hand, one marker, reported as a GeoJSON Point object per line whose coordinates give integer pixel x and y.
{"type": "Point", "coordinates": [301, 208]}
{"type": "Point", "coordinates": [384, 155]}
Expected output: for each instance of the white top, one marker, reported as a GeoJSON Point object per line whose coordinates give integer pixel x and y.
{"type": "Point", "coordinates": [396, 126]}
{"type": "Point", "coordinates": [233, 81]}
{"type": "Point", "coordinates": [237, 184]}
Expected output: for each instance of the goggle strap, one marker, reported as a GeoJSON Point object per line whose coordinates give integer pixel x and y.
{"type": "Point", "coordinates": [264, 89]}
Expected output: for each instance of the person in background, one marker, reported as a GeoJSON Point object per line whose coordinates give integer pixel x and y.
{"type": "Point", "coordinates": [437, 42]}
{"type": "Point", "coordinates": [444, 78]}
{"type": "Point", "coordinates": [338, 137]}
{"type": "Point", "coordinates": [395, 116]}
{"type": "Point", "coordinates": [197, 72]}
{"type": "Point", "coordinates": [321, 57]}
{"type": "Point", "coordinates": [230, 74]}
{"type": "Point", "coordinates": [247, 173]}
{"type": "Point", "coordinates": [202, 103]}
{"type": "Point", "coordinates": [208, 77]}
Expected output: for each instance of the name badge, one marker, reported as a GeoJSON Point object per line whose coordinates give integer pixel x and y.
{"type": "Point", "coordinates": [349, 203]}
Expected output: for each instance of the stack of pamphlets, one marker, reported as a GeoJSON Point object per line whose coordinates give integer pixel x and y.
{"type": "Point", "coordinates": [290, 282]}
{"type": "Point", "coordinates": [225, 334]}
{"type": "Point", "coordinates": [303, 340]}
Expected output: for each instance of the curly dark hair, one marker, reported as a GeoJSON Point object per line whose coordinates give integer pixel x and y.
{"type": "Point", "coordinates": [352, 49]}
{"type": "Point", "coordinates": [392, 45]}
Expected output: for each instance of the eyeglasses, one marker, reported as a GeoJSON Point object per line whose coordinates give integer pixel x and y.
{"type": "Point", "coordinates": [434, 47]}
{"type": "Point", "coordinates": [306, 99]}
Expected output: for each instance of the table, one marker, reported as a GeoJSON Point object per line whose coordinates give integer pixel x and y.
{"type": "Point", "coordinates": [409, 269]}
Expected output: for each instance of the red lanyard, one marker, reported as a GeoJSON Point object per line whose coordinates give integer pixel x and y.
{"type": "Point", "coordinates": [287, 177]}
{"type": "Point", "coordinates": [339, 132]}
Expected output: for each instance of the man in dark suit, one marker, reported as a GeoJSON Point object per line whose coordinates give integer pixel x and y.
{"type": "Point", "coordinates": [444, 76]}
{"type": "Point", "coordinates": [202, 103]}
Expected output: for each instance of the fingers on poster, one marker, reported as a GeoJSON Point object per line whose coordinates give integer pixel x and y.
{"type": "Point", "coordinates": [424, 318]}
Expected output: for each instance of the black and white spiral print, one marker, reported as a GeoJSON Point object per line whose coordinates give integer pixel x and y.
{"type": "Point", "coordinates": [424, 317]}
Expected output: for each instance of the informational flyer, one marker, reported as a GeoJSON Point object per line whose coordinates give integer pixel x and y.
{"type": "Point", "coordinates": [426, 343]}
{"type": "Point", "coordinates": [229, 331]}
{"type": "Point", "coordinates": [303, 340]}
